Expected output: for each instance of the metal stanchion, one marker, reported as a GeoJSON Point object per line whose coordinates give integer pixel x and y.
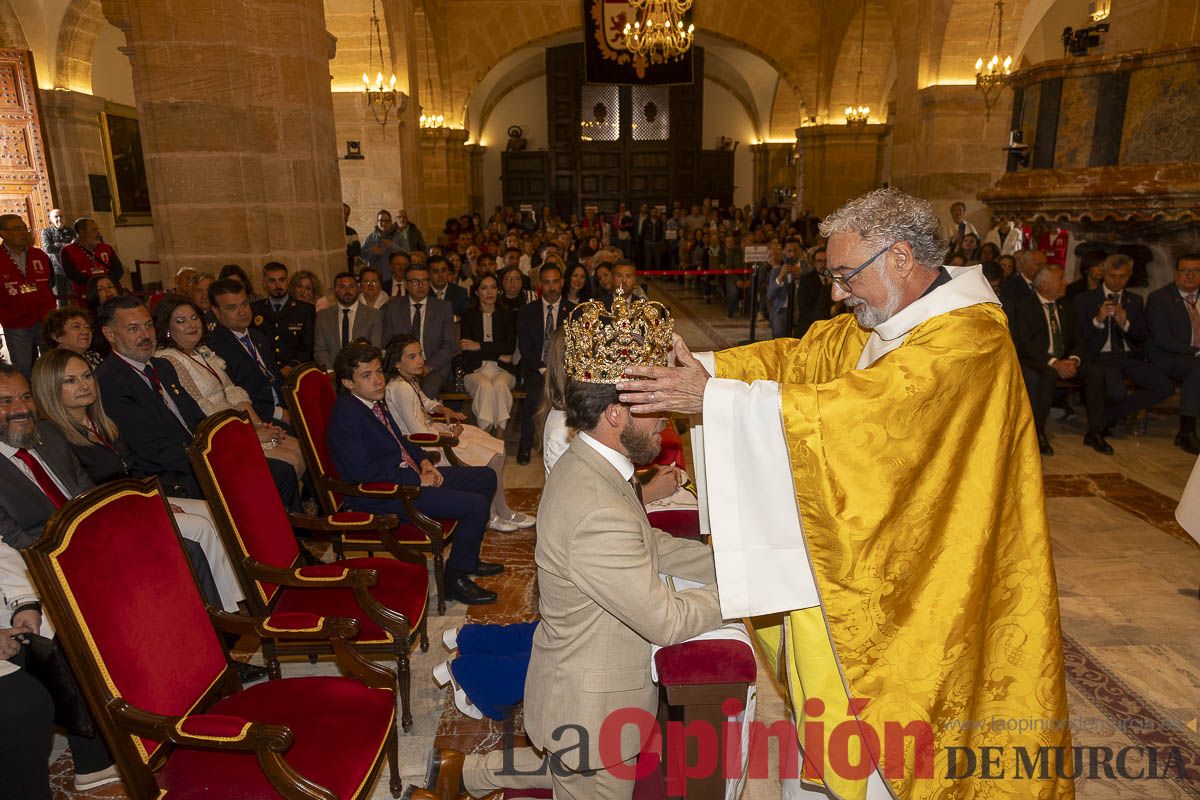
{"type": "Point", "coordinates": [754, 302]}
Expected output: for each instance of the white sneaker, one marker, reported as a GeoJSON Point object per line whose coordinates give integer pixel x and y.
{"type": "Point", "coordinates": [497, 523]}
{"type": "Point", "coordinates": [522, 520]}
{"type": "Point", "coordinates": [93, 780]}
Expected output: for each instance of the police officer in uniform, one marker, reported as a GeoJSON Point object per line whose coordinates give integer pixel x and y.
{"type": "Point", "coordinates": [288, 324]}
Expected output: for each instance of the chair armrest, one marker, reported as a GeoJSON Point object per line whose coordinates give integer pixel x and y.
{"type": "Point", "coordinates": [345, 521]}
{"type": "Point", "coordinates": [316, 576]}
{"type": "Point", "coordinates": [288, 626]}
{"type": "Point", "coordinates": [231, 734]}
{"type": "Point", "coordinates": [384, 491]}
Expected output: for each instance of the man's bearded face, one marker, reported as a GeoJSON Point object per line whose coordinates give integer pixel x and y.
{"type": "Point", "coordinates": [641, 437]}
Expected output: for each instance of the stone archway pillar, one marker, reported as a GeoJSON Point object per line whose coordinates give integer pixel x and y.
{"type": "Point", "coordinates": [237, 131]}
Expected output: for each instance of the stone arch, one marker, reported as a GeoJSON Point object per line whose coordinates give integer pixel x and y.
{"type": "Point", "coordinates": [81, 25]}
{"type": "Point", "coordinates": [959, 37]}
{"type": "Point", "coordinates": [878, 61]}
{"type": "Point", "coordinates": [12, 34]}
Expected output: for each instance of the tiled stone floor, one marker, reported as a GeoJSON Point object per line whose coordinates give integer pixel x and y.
{"type": "Point", "coordinates": [1127, 575]}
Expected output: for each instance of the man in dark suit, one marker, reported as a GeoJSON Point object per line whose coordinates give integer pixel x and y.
{"type": "Point", "coordinates": [366, 446]}
{"type": "Point", "coordinates": [430, 320]}
{"type": "Point", "coordinates": [654, 239]}
{"type": "Point", "coordinates": [154, 413]}
{"type": "Point", "coordinates": [1019, 285]}
{"type": "Point", "coordinates": [287, 323]}
{"type": "Point", "coordinates": [345, 321]}
{"type": "Point", "coordinates": [1174, 345]}
{"type": "Point", "coordinates": [535, 322]}
{"type": "Point", "coordinates": [640, 224]}
{"type": "Point", "coordinates": [1091, 274]}
{"type": "Point", "coordinates": [246, 351]}
{"type": "Point", "coordinates": [1112, 325]}
{"type": "Point", "coordinates": [442, 288]}
{"type": "Point", "coordinates": [1049, 349]}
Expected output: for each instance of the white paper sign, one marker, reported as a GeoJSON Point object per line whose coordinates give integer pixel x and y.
{"type": "Point", "coordinates": [757, 253]}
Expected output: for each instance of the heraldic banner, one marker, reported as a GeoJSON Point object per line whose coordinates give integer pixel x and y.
{"type": "Point", "coordinates": [607, 59]}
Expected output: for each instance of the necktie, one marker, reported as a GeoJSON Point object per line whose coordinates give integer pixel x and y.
{"type": "Point", "coordinates": [150, 372]}
{"type": "Point", "coordinates": [416, 321]}
{"type": "Point", "coordinates": [1194, 316]}
{"type": "Point", "coordinates": [381, 415]}
{"type": "Point", "coordinates": [253, 351]}
{"type": "Point", "coordinates": [546, 334]}
{"type": "Point", "coordinates": [637, 488]}
{"type": "Point", "coordinates": [345, 326]}
{"type": "Point", "coordinates": [1116, 342]}
{"type": "Point", "coordinates": [1056, 337]}
{"type": "Point", "coordinates": [53, 493]}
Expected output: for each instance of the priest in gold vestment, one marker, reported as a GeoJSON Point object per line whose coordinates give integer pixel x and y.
{"type": "Point", "coordinates": [874, 495]}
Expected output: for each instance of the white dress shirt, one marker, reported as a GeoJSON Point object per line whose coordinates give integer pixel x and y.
{"type": "Point", "coordinates": [619, 461]}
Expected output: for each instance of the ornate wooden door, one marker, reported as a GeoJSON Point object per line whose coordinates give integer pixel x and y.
{"type": "Point", "coordinates": [24, 167]}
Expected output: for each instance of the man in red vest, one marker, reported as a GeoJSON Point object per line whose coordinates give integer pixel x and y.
{"type": "Point", "coordinates": [25, 295]}
{"type": "Point", "coordinates": [88, 256]}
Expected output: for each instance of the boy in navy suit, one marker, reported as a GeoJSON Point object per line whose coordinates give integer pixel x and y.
{"type": "Point", "coordinates": [366, 446]}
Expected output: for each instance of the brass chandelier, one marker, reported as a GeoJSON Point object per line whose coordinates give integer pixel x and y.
{"type": "Point", "coordinates": [658, 33]}
{"type": "Point", "coordinates": [381, 97]}
{"type": "Point", "coordinates": [992, 69]}
{"type": "Point", "coordinates": [858, 113]}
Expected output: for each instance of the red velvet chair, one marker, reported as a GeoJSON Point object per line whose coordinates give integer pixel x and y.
{"type": "Point", "coordinates": [386, 597]}
{"type": "Point", "coordinates": [309, 394]}
{"type": "Point", "coordinates": [114, 577]}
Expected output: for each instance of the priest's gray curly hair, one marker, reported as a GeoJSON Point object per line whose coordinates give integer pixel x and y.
{"type": "Point", "coordinates": [889, 215]}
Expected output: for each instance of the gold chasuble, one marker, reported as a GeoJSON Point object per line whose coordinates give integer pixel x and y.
{"type": "Point", "coordinates": [928, 623]}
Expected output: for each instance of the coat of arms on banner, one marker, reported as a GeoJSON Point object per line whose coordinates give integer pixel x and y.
{"type": "Point", "coordinates": [607, 59]}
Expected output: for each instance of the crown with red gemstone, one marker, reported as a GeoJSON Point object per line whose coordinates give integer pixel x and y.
{"type": "Point", "coordinates": [602, 345]}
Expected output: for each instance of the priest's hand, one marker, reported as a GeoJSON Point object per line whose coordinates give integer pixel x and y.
{"type": "Point", "coordinates": [678, 389]}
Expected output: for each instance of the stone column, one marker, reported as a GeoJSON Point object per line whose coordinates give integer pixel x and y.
{"type": "Point", "coordinates": [773, 166]}
{"type": "Point", "coordinates": [237, 131]}
{"type": "Point", "coordinates": [840, 163]}
{"type": "Point", "coordinates": [446, 176]}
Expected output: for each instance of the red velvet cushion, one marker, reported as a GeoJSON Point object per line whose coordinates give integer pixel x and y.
{"type": "Point", "coordinates": [424, 438]}
{"type": "Point", "coordinates": [314, 397]}
{"type": "Point", "coordinates": [350, 517]}
{"type": "Point", "coordinates": [128, 574]}
{"type": "Point", "coordinates": [681, 523]}
{"type": "Point", "coordinates": [217, 726]}
{"type": "Point", "coordinates": [293, 621]}
{"type": "Point", "coordinates": [340, 727]}
{"type": "Point", "coordinates": [337, 569]}
{"type": "Point", "coordinates": [249, 497]}
{"type": "Point", "coordinates": [705, 661]}
{"type": "Point", "coordinates": [407, 533]}
{"type": "Point", "coordinates": [402, 587]}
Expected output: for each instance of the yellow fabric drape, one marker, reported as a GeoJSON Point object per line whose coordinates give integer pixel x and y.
{"type": "Point", "coordinates": [919, 485]}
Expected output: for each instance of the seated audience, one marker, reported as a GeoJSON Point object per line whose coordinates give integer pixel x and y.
{"type": "Point", "coordinates": [70, 327]}
{"type": "Point", "coordinates": [513, 294]}
{"type": "Point", "coordinates": [287, 323]}
{"type": "Point", "coordinates": [306, 287]}
{"type": "Point", "coordinates": [430, 321]}
{"type": "Point", "coordinates": [489, 340]}
{"type": "Point", "coordinates": [366, 445]}
{"type": "Point", "coordinates": [247, 353]}
{"type": "Point", "coordinates": [1174, 343]}
{"type": "Point", "coordinates": [1008, 264]}
{"type": "Point", "coordinates": [199, 295]}
{"type": "Point", "coordinates": [347, 321]}
{"type": "Point", "coordinates": [235, 272]}
{"type": "Point", "coordinates": [181, 335]}
{"type": "Point", "coordinates": [394, 283]}
{"type": "Point", "coordinates": [1020, 285]}
{"type": "Point", "coordinates": [99, 289]}
{"type": "Point", "coordinates": [370, 288]}
{"type": "Point", "coordinates": [68, 397]}
{"type": "Point", "coordinates": [89, 256]}
{"type": "Point", "coordinates": [1112, 325]}
{"type": "Point", "coordinates": [441, 287]}
{"type": "Point", "coordinates": [27, 733]}
{"type": "Point", "coordinates": [1091, 273]}
{"type": "Point", "coordinates": [145, 398]}
{"type": "Point", "coordinates": [412, 410]}
{"type": "Point", "coordinates": [602, 283]}
{"type": "Point", "coordinates": [575, 286]}
{"type": "Point", "coordinates": [535, 322]}
{"type": "Point", "coordinates": [994, 274]}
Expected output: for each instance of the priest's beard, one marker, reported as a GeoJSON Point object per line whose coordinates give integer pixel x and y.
{"type": "Point", "coordinates": [642, 445]}
{"type": "Point", "coordinates": [870, 316]}
{"type": "Point", "coordinates": [24, 436]}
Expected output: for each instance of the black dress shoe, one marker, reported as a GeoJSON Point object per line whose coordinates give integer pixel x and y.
{"type": "Point", "coordinates": [465, 590]}
{"type": "Point", "coordinates": [1095, 440]}
{"type": "Point", "coordinates": [523, 455]}
{"type": "Point", "coordinates": [1188, 442]}
{"type": "Point", "coordinates": [249, 673]}
{"type": "Point", "coordinates": [1044, 445]}
{"type": "Point", "coordinates": [485, 568]}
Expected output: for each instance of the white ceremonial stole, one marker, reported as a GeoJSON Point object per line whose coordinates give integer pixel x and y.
{"type": "Point", "coordinates": [744, 472]}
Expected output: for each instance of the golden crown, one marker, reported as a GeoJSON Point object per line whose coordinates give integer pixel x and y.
{"type": "Point", "coordinates": [602, 344]}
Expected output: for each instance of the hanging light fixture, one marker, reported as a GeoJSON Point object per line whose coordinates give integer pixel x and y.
{"type": "Point", "coordinates": [381, 98]}
{"type": "Point", "coordinates": [993, 68]}
{"type": "Point", "coordinates": [429, 120]}
{"type": "Point", "coordinates": [658, 33]}
{"type": "Point", "coordinates": [858, 113]}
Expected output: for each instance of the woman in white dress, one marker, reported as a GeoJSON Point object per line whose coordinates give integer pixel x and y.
{"type": "Point", "coordinates": [412, 410]}
{"type": "Point", "coordinates": [489, 339]}
{"type": "Point", "coordinates": [181, 331]}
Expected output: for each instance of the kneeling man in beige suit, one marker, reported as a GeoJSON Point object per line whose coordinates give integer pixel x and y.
{"type": "Point", "coordinates": [602, 600]}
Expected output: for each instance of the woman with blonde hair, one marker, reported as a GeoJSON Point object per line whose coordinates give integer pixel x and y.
{"type": "Point", "coordinates": [305, 286]}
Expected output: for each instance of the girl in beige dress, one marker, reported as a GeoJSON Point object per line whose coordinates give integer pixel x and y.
{"type": "Point", "coordinates": [412, 410]}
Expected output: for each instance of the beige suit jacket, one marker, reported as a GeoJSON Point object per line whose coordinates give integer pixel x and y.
{"type": "Point", "coordinates": [602, 603]}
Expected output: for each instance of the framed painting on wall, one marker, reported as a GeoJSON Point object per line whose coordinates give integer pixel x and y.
{"type": "Point", "coordinates": [121, 141]}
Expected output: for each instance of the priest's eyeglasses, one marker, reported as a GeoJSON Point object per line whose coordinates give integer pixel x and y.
{"type": "Point", "coordinates": [843, 281]}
